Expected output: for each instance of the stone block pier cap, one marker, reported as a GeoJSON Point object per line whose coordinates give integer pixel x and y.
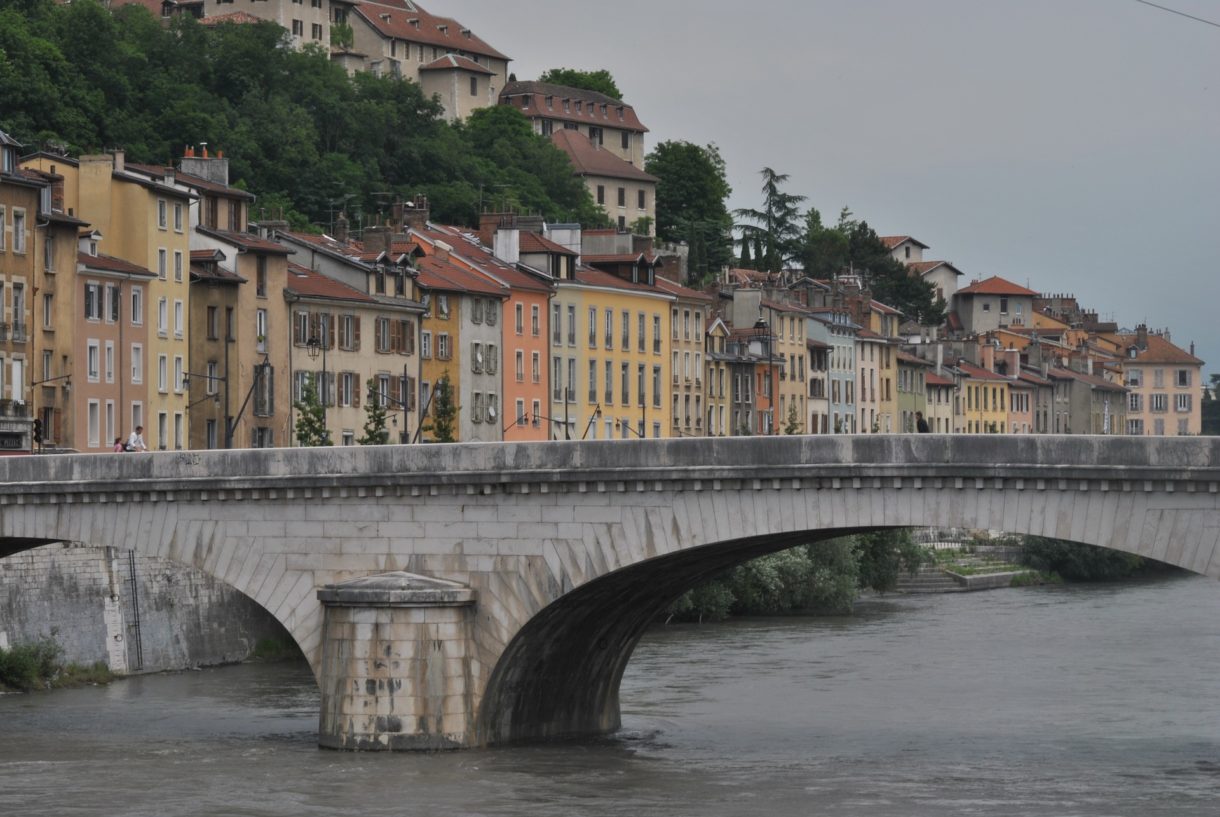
{"type": "Point", "coordinates": [396, 589]}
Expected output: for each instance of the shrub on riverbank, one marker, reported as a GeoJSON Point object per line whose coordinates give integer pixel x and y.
{"type": "Point", "coordinates": [823, 578]}
{"type": "Point", "coordinates": [39, 665]}
{"type": "Point", "coordinates": [1075, 562]}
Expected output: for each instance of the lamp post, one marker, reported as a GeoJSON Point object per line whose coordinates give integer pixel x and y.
{"type": "Point", "coordinates": [37, 431]}
{"type": "Point", "coordinates": [314, 346]}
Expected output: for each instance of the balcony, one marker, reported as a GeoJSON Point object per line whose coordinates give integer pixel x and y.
{"type": "Point", "coordinates": [14, 408]}
{"type": "Point", "coordinates": [3, 332]}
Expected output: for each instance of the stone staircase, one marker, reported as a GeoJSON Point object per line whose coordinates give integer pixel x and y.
{"type": "Point", "coordinates": [928, 579]}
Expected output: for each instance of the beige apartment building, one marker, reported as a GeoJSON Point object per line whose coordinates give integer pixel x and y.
{"type": "Point", "coordinates": [689, 316]}
{"type": "Point", "coordinates": [1164, 385]}
{"type": "Point", "coordinates": [606, 122]}
{"type": "Point", "coordinates": [626, 193]}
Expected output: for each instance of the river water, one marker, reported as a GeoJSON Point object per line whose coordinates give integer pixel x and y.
{"type": "Point", "coordinates": [1097, 700]}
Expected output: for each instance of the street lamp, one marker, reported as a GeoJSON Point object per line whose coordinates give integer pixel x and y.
{"type": "Point", "coordinates": [37, 431]}
{"type": "Point", "coordinates": [314, 346]}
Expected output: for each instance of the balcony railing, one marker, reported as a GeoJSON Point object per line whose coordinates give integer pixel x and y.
{"type": "Point", "coordinates": [3, 331]}
{"type": "Point", "coordinates": [19, 333]}
{"type": "Point", "coordinates": [13, 408]}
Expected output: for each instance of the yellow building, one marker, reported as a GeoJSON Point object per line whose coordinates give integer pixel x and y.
{"type": "Point", "coordinates": [144, 220]}
{"type": "Point", "coordinates": [985, 399]}
{"type": "Point", "coordinates": [688, 318]}
{"type": "Point", "coordinates": [610, 369]}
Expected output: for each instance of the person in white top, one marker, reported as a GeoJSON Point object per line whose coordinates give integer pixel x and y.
{"type": "Point", "coordinates": [136, 441]}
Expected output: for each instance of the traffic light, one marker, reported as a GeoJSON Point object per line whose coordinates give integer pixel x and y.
{"type": "Point", "coordinates": [37, 431]}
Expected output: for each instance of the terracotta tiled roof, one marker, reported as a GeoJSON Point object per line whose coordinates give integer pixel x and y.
{"type": "Point", "coordinates": [894, 241]}
{"type": "Point", "coordinates": [534, 243]}
{"type": "Point", "coordinates": [665, 285]}
{"type": "Point", "coordinates": [213, 273]}
{"type": "Point", "coordinates": [816, 344]}
{"type": "Point", "coordinates": [595, 108]}
{"type": "Point", "coordinates": [248, 242]}
{"type": "Point", "coordinates": [907, 357]}
{"type": "Point", "coordinates": [884, 309]}
{"type": "Point", "coordinates": [213, 187]}
{"type": "Point", "coordinates": [306, 283]}
{"type": "Point", "coordinates": [108, 263]}
{"type": "Point", "coordinates": [468, 250]}
{"type": "Point", "coordinates": [978, 372]}
{"type": "Point", "coordinates": [1159, 351]}
{"type": "Point", "coordinates": [934, 379]}
{"type": "Point", "coordinates": [1091, 379]}
{"type": "Point", "coordinates": [453, 62]}
{"type": "Point", "coordinates": [596, 278]}
{"type": "Point", "coordinates": [405, 20]}
{"type": "Point", "coordinates": [444, 275]}
{"type": "Point", "coordinates": [591, 160]}
{"type": "Point", "coordinates": [996, 285]}
{"type": "Point", "coordinates": [924, 267]}
{"type": "Point", "coordinates": [953, 321]}
{"type": "Point", "coordinates": [235, 17]}
{"type": "Point", "coordinates": [623, 258]}
{"type": "Point", "coordinates": [1030, 377]}
{"type": "Point", "coordinates": [868, 334]}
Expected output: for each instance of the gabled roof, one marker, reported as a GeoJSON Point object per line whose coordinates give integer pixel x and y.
{"type": "Point", "coordinates": [978, 372]}
{"type": "Point", "coordinates": [644, 258]}
{"type": "Point", "coordinates": [1088, 379]}
{"type": "Point", "coordinates": [884, 309]}
{"type": "Point", "coordinates": [444, 275]}
{"type": "Point", "coordinates": [406, 20]}
{"type": "Point", "coordinates": [236, 17]}
{"type": "Point", "coordinates": [893, 242]}
{"type": "Point", "coordinates": [534, 243]}
{"type": "Point", "coordinates": [453, 62]}
{"type": "Point", "coordinates": [995, 285]}
{"type": "Point", "coordinates": [595, 108]}
{"type": "Point", "coordinates": [1159, 351]}
{"type": "Point", "coordinates": [468, 251]}
{"type": "Point", "coordinates": [247, 242]}
{"type": "Point", "coordinates": [590, 160]}
{"type": "Point", "coordinates": [108, 263]}
{"type": "Point", "coordinates": [306, 283]}
{"type": "Point", "coordinates": [924, 267]}
{"type": "Point", "coordinates": [911, 360]}
{"type": "Point", "coordinates": [604, 280]}
{"type": "Point", "coordinates": [225, 190]}
{"type": "Point", "coordinates": [934, 379]}
{"type": "Point", "coordinates": [665, 285]}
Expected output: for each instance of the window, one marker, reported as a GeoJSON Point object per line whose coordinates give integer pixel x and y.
{"type": "Point", "coordinates": [1135, 402]}
{"type": "Point", "coordinates": [571, 325]}
{"type": "Point", "coordinates": [570, 392]}
{"type": "Point", "coordinates": [264, 394]}
{"type": "Point", "coordinates": [557, 380]}
{"type": "Point", "coordinates": [626, 140]}
{"type": "Point", "coordinates": [609, 398]}
{"type": "Point", "coordinates": [95, 421]}
{"type": "Point", "coordinates": [609, 329]}
{"type": "Point", "coordinates": [534, 328]}
{"type": "Point", "coordinates": [1183, 402]}
{"type": "Point", "coordinates": [298, 28]}
{"type": "Point", "coordinates": [520, 419]}
{"type": "Point", "coordinates": [137, 365]}
{"type": "Point", "coordinates": [622, 197]}
{"type": "Point", "coordinates": [641, 335]}
{"type": "Point", "coordinates": [260, 330]}
{"type": "Point", "coordinates": [474, 86]}
{"type": "Point", "coordinates": [2, 220]}
{"type": "Point", "coordinates": [556, 325]}
{"type": "Point", "coordinates": [211, 384]}
{"type": "Point", "coordinates": [260, 277]}
{"type": "Point", "coordinates": [592, 381]}
{"type": "Point", "coordinates": [48, 255]}
{"type": "Point", "coordinates": [641, 200]}
{"type": "Point", "coordinates": [1134, 379]}
{"type": "Point", "coordinates": [656, 386]}
{"type": "Point", "coordinates": [178, 266]}
{"type": "Point", "coordinates": [137, 306]}
{"type": "Point", "coordinates": [177, 217]}
{"type": "Point", "coordinates": [93, 302]}
{"type": "Point", "coordinates": [625, 382]}
{"type": "Point", "coordinates": [162, 221]}
{"type": "Point", "coordinates": [163, 317]}
{"type": "Point", "coordinates": [656, 334]}
{"type": "Point", "coordinates": [425, 345]}
{"type": "Point", "coordinates": [601, 194]}
{"type": "Point", "coordinates": [536, 367]}
{"type": "Point", "coordinates": [626, 331]}
{"type": "Point", "coordinates": [19, 232]}
{"type": "Point", "coordinates": [162, 373]}
{"type": "Point", "coordinates": [493, 358]}
{"type": "Point", "coordinates": [442, 306]}
{"type": "Point", "coordinates": [520, 367]}
{"type": "Point", "coordinates": [178, 319]}
{"type": "Point", "coordinates": [593, 327]}
{"type": "Point", "coordinates": [93, 360]}
{"type": "Point", "coordinates": [178, 372]}
{"type": "Point", "coordinates": [519, 322]}
{"type": "Point", "coordinates": [109, 361]}
{"type": "Point", "coordinates": [162, 263]}
{"type": "Point", "coordinates": [476, 358]}
{"type": "Point", "coordinates": [537, 407]}
{"type": "Point", "coordinates": [1183, 378]}
{"type": "Point", "coordinates": [1159, 402]}
{"type": "Point", "coordinates": [316, 31]}
{"type": "Point", "coordinates": [442, 346]}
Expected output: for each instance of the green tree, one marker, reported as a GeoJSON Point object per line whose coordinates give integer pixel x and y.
{"type": "Point", "coordinates": [692, 188]}
{"type": "Point", "coordinates": [375, 431]}
{"type": "Point", "coordinates": [600, 81]}
{"type": "Point", "coordinates": [884, 555]}
{"type": "Point", "coordinates": [824, 250]}
{"type": "Point", "coordinates": [311, 427]}
{"type": "Point", "coordinates": [747, 260]}
{"type": "Point", "coordinates": [776, 226]}
{"type": "Point", "coordinates": [793, 423]}
{"type": "Point", "coordinates": [1076, 562]}
{"type": "Point", "coordinates": [1211, 407]}
{"type": "Point", "coordinates": [443, 413]}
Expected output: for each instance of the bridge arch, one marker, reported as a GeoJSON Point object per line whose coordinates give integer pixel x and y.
{"type": "Point", "coordinates": [600, 534]}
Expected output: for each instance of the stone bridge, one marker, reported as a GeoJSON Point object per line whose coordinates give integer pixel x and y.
{"type": "Point", "coordinates": [466, 595]}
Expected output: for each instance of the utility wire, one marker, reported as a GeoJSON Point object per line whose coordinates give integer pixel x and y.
{"type": "Point", "coordinates": [1180, 13]}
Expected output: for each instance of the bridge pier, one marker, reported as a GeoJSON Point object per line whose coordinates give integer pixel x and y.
{"type": "Point", "coordinates": [395, 672]}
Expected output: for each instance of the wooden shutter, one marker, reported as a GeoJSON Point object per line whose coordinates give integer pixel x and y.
{"type": "Point", "coordinates": [357, 388]}
{"type": "Point", "coordinates": [356, 333]}
{"type": "Point", "coordinates": [395, 339]}
{"type": "Point", "coordinates": [408, 337]}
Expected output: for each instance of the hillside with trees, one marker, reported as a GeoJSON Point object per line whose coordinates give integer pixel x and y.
{"type": "Point", "coordinates": [298, 131]}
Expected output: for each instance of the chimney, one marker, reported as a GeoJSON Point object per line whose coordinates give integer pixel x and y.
{"type": "Point", "coordinates": [940, 358]}
{"type": "Point", "coordinates": [416, 213]}
{"type": "Point", "coordinates": [988, 357]}
{"type": "Point", "coordinates": [1141, 337]}
{"type": "Point", "coordinates": [120, 160]}
{"type": "Point", "coordinates": [490, 222]}
{"type": "Point", "coordinates": [1012, 360]}
{"type": "Point", "coordinates": [341, 225]}
{"type": "Point", "coordinates": [1192, 348]}
{"type": "Point", "coordinates": [507, 246]}
{"type": "Point", "coordinates": [378, 239]}
{"type": "Point", "coordinates": [441, 250]}
{"type": "Point", "coordinates": [213, 169]}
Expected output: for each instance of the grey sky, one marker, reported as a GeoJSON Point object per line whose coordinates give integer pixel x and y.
{"type": "Point", "coordinates": [1071, 145]}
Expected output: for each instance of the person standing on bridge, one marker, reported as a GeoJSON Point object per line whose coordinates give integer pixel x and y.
{"type": "Point", "coordinates": [921, 425]}
{"type": "Point", "coordinates": [136, 441]}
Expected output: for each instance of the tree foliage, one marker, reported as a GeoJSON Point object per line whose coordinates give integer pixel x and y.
{"type": "Point", "coordinates": [295, 127]}
{"type": "Point", "coordinates": [775, 228]}
{"type": "Point", "coordinates": [692, 188]}
{"type": "Point", "coordinates": [1076, 562]}
{"type": "Point", "coordinates": [375, 431]}
{"type": "Point", "coordinates": [311, 427]}
{"type": "Point", "coordinates": [1211, 407]}
{"type": "Point", "coordinates": [600, 80]}
{"type": "Point", "coordinates": [442, 421]}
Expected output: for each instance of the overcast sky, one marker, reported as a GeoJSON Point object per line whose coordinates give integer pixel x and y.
{"type": "Point", "coordinates": [1067, 145]}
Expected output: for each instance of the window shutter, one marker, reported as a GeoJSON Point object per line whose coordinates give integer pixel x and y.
{"type": "Point", "coordinates": [357, 388]}
{"type": "Point", "coordinates": [395, 392]}
{"type": "Point", "coordinates": [409, 393]}
{"type": "Point", "coordinates": [356, 333]}
{"type": "Point", "coordinates": [395, 336]}
{"type": "Point", "coordinates": [408, 336]}
{"type": "Point", "coordinates": [330, 330]}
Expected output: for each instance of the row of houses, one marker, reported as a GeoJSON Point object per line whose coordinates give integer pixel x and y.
{"type": "Point", "coordinates": [138, 295]}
